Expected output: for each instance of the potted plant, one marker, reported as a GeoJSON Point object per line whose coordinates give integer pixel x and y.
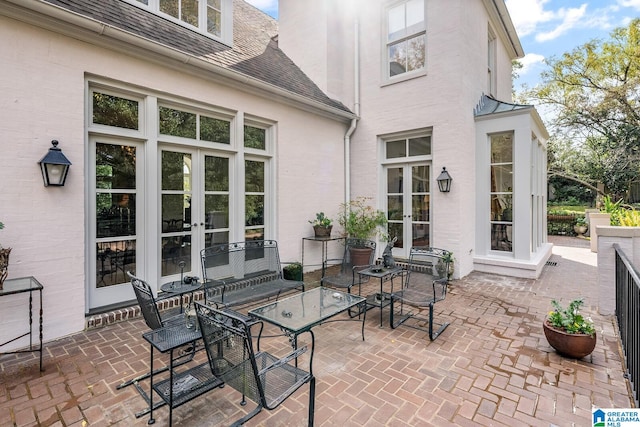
{"type": "Point", "coordinates": [361, 221]}
{"type": "Point", "coordinates": [322, 225]}
{"type": "Point", "coordinates": [568, 332]}
{"type": "Point", "coordinates": [4, 261]}
{"type": "Point", "coordinates": [448, 259]}
{"type": "Point", "coordinates": [292, 271]}
{"type": "Point", "coordinates": [581, 226]}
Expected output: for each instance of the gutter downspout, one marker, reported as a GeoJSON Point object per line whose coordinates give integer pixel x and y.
{"type": "Point", "coordinates": [354, 121]}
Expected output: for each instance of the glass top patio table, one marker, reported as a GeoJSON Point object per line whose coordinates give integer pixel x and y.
{"type": "Point", "coordinates": [302, 311]}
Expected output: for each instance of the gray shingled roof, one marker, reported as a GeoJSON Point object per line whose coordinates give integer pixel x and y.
{"type": "Point", "coordinates": [490, 105]}
{"type": "Point", "coordinates": [254, 53]}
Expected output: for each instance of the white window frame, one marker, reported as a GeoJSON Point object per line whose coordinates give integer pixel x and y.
{"type": "Point", "coordinates": [419, 30]}
{"type": "Point", "coordinates": [226, 20]}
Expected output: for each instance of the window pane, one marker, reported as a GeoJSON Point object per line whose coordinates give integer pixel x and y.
{"type": "Point", "coordinates": [398, 58]}
{"type": "Point", "coordinates": [254, 234]}
{"type": "Point", "coordinates": [254, 137]}
{"type": "Point", "coordinates": [420, 208]}
{"type": "Point", "coordinates": [254, 210]}
{"type": "Point", "coordinates": [113, 260]}
{"type": "Point", "coordinates": [415, 15]}
{"type": "Point", "coordinates": [396, 22]}
{"type": "Point", "coordinates": [190, 12]}
{"type": "Point", "coordinates": [420, 179]}
{"type": "Point", "coordinates": [396, 149]}
{"type": "Point", "coordinates": [254, 177]}
{"type": "Point", "coordinates": [501, 148]}
{"type": "Point", "coordinates": [115, 111]}
{"type": "Point", "coordinates": [501, 207]}
{"type": "Point", "coordinates": [501, 237]}
{"type": "Point", "coordinates": [415, 53]}
{"type": "Point", "coordinates": [214, 25]}
{"type": "Point", "coordinates": [394, 208]}
{"type": "Point", "coordinates": [420, 235]}
{"type": "Point", "coordinates": [115, 214]}
{"type": "Point", "coordinates": [216, 170]}
{"type": "Point", "coordinates": [176, 213]}
{"type": "Point", "coordinates": [217, 211]}
{"type": "Point", "coordinates": [420, 146]}
{"type": "Point", "coordinates": [214, 3]}
{"type": "Point", "coordinates": [177, 123]}
{"type": "Point", "coordinates": [115, 166]}
{"type": "Point", "coordinates": [174, 250]}
{"type": "Point", "coordinates": [170, 7]}
{"type": "Point", "coordinates": [394, 180]}
{"type": "Point", "coordinates": [176, 171]}
{"type": "Point", "coordinates": [215, 130]}
{"type": "Point", "coordinates": [396, 229]}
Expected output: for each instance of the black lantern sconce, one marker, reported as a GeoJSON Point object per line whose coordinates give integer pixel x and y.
{"type": "Point", "coordinates": [444, 181]}
{"type": "Point", "coordinates": [54, 166]}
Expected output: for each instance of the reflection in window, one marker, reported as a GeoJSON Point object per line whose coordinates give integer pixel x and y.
{"type": "Point", "coordinates": [215, 130]}
{"type": "Point", "coordinates": [406, 37]}
{"type": "Point", "coordinates": [254, 138]}
{"type": "Point", "coordinates": [416, 146]}
{"type": "Point", "coordinates": [177, 123]}
{"type": "Point", "coordinates": [254, 199]}
{"type": "Point", "coordinates": [113, 260]}
{"type": "Point", "coordinates": [502, 192]}
{"type": "Point", "coordinates": [112, 110]}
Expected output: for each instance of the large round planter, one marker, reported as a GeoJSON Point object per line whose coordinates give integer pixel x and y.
{"type": "Point", "coordinates": [4, 264]}
{"type": "Point", "coordinates": [321, 231]}
{"type": "Point", "coordinates": [580, 229]}
{"type": "Point", "coordinates": [576, 346]}
{"type": "Point", "coordinates": [360, 256]}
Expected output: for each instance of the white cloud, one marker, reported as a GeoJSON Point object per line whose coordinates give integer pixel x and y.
{"type": "Point", "coordinates": [630, 3]}
{"type": "Point", "coordinates": [528, 14]}
{"type": "Point", "coordinates": [530, 62]}
{"type": "Point", "coordinates": [571, 18]}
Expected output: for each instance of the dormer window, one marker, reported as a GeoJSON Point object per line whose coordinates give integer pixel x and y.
{"type": "Point", "coordinates": [210, 17]}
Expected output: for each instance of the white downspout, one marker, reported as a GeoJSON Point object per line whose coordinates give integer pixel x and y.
{"type": "Point", "coordinates": [354, 122]}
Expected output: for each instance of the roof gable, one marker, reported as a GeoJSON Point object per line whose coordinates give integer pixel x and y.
{"type": "Point", "coordinates": [254, 54]}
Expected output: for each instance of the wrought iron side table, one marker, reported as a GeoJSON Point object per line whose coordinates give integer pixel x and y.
{"type": "Point", "coordinates": [18, 286]}
{"type": "Point", "coordinates": [382, 299]}
{"type": "Point", "coordinates": [323, 241]}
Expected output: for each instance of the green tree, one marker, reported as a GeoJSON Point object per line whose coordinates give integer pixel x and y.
{"type": "Point", "coordinates": [594, 95]}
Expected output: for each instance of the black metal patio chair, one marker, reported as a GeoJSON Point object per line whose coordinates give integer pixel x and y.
{"type": "Point", "coordinates": [426, 283]}
{"type": "Point", "coordinates": [261, 377]}
{"type": "Point", "coordinates": [155, 320]}
{"type": "Point", "coordinates": [347, 276]}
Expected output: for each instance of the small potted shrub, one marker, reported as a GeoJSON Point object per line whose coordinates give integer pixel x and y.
{"type": "Point", "coordinates": [568, 332]}
{"type": "Point", "coordinates": [581, 226]}
{"type": "Point", "coordinates": [322, 225]}
{"type": "Point", "coordinates": [361, 221]}
{"type": "Point", "coordinates": [292, 271]}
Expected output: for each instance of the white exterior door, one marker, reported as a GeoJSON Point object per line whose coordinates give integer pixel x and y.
{"type": "Point", "coordinates": [116, 209]}
{"type": "Point", "coordinates": [408, 204]}
{"type": "Point", "coordinates": [195, 208]}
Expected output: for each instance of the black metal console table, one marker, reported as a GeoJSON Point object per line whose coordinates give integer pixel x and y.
{"type": "Point", "coordinates": [18, 286]}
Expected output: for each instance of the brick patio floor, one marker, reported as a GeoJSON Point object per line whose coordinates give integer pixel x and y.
{"type": "Point", "coordinates": [492, 366]}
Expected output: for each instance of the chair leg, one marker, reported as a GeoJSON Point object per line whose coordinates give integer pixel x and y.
{"type": "Point", "coordinates": [312, 400]}
{"type": "Point", "coordinates": [432, 335]}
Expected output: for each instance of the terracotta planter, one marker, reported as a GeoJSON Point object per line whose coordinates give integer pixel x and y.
{"type": "Point", "coordinates": [4, 264]}
{"type": "Point", "coordinates": [576, 346]}
{"type": "Point", "coordinates": [360, 256]}
{"type": "Point", "coordinates": [321, 231]}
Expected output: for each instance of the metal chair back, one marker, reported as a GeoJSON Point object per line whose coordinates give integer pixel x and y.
{"type": "Point", "coordinates": [147, 302]}
{"type": "Point", "coordinates": [349, 266]}
{"type": "Point", "coordinates": [259, 376]}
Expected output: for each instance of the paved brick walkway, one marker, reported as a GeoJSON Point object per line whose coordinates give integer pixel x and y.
{"type": "Point", "coordinates": [492, 366]}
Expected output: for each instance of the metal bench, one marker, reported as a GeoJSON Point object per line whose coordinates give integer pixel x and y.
{"type": "Point", "coordinates": [244, 272]}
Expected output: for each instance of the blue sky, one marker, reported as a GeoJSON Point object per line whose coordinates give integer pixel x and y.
{"type": "Point", "coordinates": [548, 27]}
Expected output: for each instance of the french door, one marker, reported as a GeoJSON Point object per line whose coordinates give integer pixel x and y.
{"type": "Point", "coordinates": [408, 196]}
{"type": "Point", "coordinates": [195, 208]}
{"type": "Point", "coordinates": [116, 207]}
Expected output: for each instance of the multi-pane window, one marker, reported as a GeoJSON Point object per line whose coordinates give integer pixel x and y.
{"type": "Point", "coordinates": [193, 125]}
{"type": "Point", "coordinates": [406, 36]}
{"type": "Point", "coordinates": [502, 192]}
{"type": "Point", "coordinates": [408, 147]}
{"type": "Point", "coordinates": [205, 15]}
